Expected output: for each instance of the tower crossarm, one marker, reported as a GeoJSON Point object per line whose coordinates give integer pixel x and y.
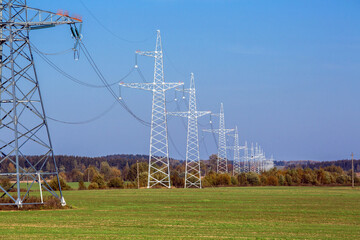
{"type": "Point", "coordinates": [179, 114]}
{"type": "Point", "coordinates": [187, 114]}
{"type": "Point", "coordinates": [211, 130]}
{"type": "Point", "coordinates": [37, 18]}
{"type": "Point", "coordinates": [168, 86]}
{"type": "Point", "coordinates": [150, 86]}
{"type": "Point", "coordinates": [142, 86]}
{"type": "Point", "coordinates": [148, 53]}
{"type": "Point", "coordinates": [218, 130]}
{"type": "Point", "coordinates": [202, 113]}
{"type": "Point", "coordinates": [236, 148]}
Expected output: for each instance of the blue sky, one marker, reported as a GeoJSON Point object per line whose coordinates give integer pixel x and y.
{"type": "Point", "coordinates": [287, 72]}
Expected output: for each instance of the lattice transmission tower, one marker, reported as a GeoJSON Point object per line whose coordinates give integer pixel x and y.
{"type": "Point", "coordinates": [222, 148]}
{"type": "Point", "coordinates": [159, 172]}
{"type": "Point", "coordinates": [23, 124]}
{"type": "Point", "coordinates": [192, 168]}
{"type": "Point", "coordinates": [252, 163]}
{"type": "Point", "coordinates": [245, 158]}
{"type": "Point", "coordinates": [237, 148]}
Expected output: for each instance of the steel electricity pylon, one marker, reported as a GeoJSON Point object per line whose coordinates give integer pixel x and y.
{"type": "Point", "coordinates": [246, 158]}
{"type": "Point", "coordinates": [23, 124]}
{"type": "Point", "coordinates": [252, 159]}
{"type": "Point", "coordinates": [192, 169]}
{"type": "Point", "coordinates": [159, 172]}
{"type": "Point", "coordinates": [222, 149]}
{"type": "Point", "coordinates": [236, 148]}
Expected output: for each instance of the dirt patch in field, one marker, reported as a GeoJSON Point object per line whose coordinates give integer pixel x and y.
{"type": "Point", "coordinates": [49, 203]}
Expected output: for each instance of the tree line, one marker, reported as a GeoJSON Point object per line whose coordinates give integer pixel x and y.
{"type": "Point", "coordinates": [127, 171]}
{"type": "Point", "coordinates": [107, 176]}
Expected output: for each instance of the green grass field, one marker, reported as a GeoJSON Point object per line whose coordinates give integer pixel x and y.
{"type": "Point", "coordinates": [227, 213]}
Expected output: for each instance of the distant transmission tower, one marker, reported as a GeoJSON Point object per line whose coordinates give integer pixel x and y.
{"type": "Point", "coordinates": [159, 172]}
{"type": "Point", "coordinates": [222, 156]}
{"type": "Point", "coordinates": [246, 166]}
{"type": "Point", "coordinates": [236, 148]}
{"type": "Point", "coordinates": [192, 170]}
{"type": "Point", "coordinates": [252, 159]}
{"type": "Point", "coordinates": [23, 125]}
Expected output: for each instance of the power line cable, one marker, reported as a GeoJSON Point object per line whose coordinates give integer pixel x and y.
{"type": "Point", "coordinates": [104, 81]}
{"type": "Point", "coordinates": [176, 149]}
{"type": "Point", "coordinates": [204, 143]}
{"type": "Point", "coordinates": [106, 84]}
{"type": "Point", "coordinates": [72, 78]}
{"type": "Point", "coordinates": [173, 65]}
{"type": "Point", "coordinates": [57, 53]}
{"type": "Point", "coordinates": [213, 133]}
{"type": "Point", "coordinates": [85, 121]}
{"type": "Point", "coordinates": [109, 31]}
{"type": "Point", "coordinates": [141, 74]}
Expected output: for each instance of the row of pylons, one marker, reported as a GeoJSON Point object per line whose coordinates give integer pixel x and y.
{"type": "Point", "coordinates": [159, 172]}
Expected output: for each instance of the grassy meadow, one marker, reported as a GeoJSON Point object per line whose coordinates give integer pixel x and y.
{"type": "Point", "coordinates": [217, 213]}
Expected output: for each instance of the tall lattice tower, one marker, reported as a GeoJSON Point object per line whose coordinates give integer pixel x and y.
{"type": "Point", "coordinates": [245, 159]}
{"type": "Point", "coordinates": [252, 163]}
{"type": "Point", "coordinates": [237, 148]}
{"type": "Point", "coordinates": [23, 125]}
{"type": "Point", "coordinates": [159, 172]}
{"type": "Point", "coordinates": [222, 148]}
{"type": "Point", "coordinates": [257, 158]}
{"type": "Point", "coordinates": [192, 168]}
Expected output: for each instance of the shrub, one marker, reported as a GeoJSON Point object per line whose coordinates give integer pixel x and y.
{"type": "Point", "coordinates": [143, 177]}
{"type": "Point", "coordinates": [272, 181]}
{"type": "Point", "coordinates": [116, 183]}
{"type": "Point", "coordinates": [100, 181]}
{"type": "Point", "coordinates": [223, 179]}
{"type": "Point", "coordinates": [307, 179]}
{"type": "Point", "coordinates": [356, 180]}
{"type": "Point", "coordinates": [253, 179]}
{"type": "Point", "coordinates": [281, 180]}
{"type": "Point", "coordinates": [5, 183]}
{"type": "Point", "coordinates": [242, 179]}
{"type": "Point", "coordinates": [54, 184]}
{"type": "Point", "coordinates": [341, 179]}
{"type": "Point", "coordinates": [234, 181]}
{"type": "Point", "coordinates": [288, 180]}
{"type": "Point", "coordinates": [93, 185]}
{"type": "Point", "coordinates": [82, 185]}
{"type": "Point", "coordinates": [176, 179]}
{"type": "Point", "coordinates": [326, 179]}
{"type": "Point", "coordinates": [263, 180]}
{"type": "Point", "coordinates": [131, 185]}
{"type": "Point", "coordinates": [210, 179]}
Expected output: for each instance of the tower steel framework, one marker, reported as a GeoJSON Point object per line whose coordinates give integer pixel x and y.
{"type": "Point", "coordinates": [192, 168]}
{"type": "Point", "coordinates": [245, 158]}
{"type": "Point", "coordinates": [23, 124]}
{"type": "Point", "coordinates": [159, 172]}
{"type": "Point", "coordinates": [222, 149]}
{"type": "Point", "coordinates": [237, 148]}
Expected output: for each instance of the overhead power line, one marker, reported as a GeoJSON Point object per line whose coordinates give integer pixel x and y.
{"type": "Point", "coordinates": [72, 78]}
{"type": "Point", "coordinates": [111, 91]}
{"type": "Point", "coordinates": [110, 31]}
{"type": "Point", "coordinates": [85, 121]}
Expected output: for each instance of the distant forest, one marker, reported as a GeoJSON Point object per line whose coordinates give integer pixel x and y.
{"type": "Point", "coordinates": [67, 163]}
{"type": "Point", "coordinates": [344, 164]}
